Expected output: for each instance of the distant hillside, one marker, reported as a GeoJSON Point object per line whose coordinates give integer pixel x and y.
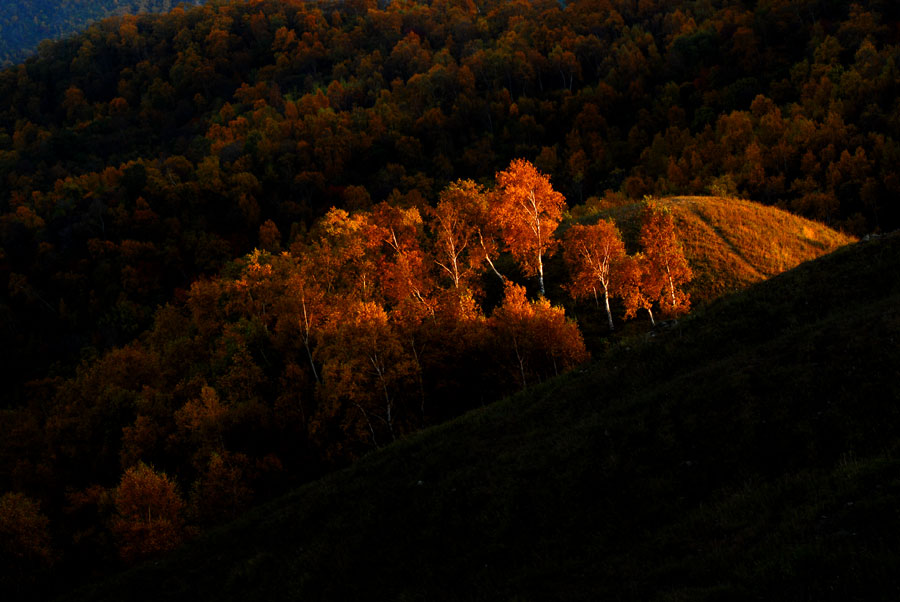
{"type": "Point", "coordinates": [748, 454]}
{"type": "Point", "coordinates": [25, 23]}
{"type": "Point", "coordinates": [732, 243]}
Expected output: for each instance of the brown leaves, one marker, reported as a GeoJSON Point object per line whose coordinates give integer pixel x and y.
{"type": "Point", "coordinates": [148, 517]}
{"type": "Point", "coordinates": [221, 491]}
{"type": "Point", "coordinates": [24, 530]}
{"type": "Point", "coordinates": [367, 376]}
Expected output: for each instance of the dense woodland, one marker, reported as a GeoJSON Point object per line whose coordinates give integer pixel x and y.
{"type": "Point", "coordinates": [242, 243]}
{"type": "Point", "coordinates": [24, 24]}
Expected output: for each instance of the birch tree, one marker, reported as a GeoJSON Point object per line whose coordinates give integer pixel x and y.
{"type": "Point", "coordinates": [529, 210]}
{"type": "Point", "coordinates": [466, 233]}
{"type": "Point", "coordinates": [666, 263]}
{"type": "Point", "coordinates": [593, 255]}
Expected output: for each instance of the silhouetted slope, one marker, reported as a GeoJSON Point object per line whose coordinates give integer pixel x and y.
{"type": "Point", "coordinates": [749, 453]}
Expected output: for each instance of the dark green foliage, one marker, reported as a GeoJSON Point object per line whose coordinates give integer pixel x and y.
{"type": "Point", "coordinates": [748, 452]}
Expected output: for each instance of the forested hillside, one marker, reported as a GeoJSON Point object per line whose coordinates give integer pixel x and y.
{"type": "Point", "coordinates": [26, 23]}
{"type": "Point", "coordinates": [245, 243]}
{"type": "Point", "coordinates": [751, 453]}
{"type": "Point", "coordinates": [150, 150]}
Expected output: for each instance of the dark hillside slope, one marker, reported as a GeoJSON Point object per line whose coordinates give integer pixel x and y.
{"type": "Point", "coordinates": [750, 453]}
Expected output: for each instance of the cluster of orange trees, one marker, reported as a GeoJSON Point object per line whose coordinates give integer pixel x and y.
{"type": "Point", "coordinates": [291, 361]}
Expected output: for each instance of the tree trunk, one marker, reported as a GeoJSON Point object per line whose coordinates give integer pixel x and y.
{"type": "Point", "coordinates": [389, 417]}
{"type": "Point", "coordinates": [541, 274]}
{"type": "Point", "coordinates": [521, 363]}
{"type": "Point", "coordinates": [608, 312]}
{"type": "Point", "coordinates": [368, 423]}
{"type": "Point", "coordinates": [487, 257]}
{"type": "Point", "coordinates": [306, 336]}
{"type": "Point", "coordinates": [415, 353]}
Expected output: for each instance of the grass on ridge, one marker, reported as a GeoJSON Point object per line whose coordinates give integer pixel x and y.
{"type": "Point", "coordinates": [731, 243]}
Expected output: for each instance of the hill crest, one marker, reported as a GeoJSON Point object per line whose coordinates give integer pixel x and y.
{"type": "Point", "coordinates": [731, 243]}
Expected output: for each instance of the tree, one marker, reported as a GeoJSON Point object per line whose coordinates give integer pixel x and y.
{"type": "Point", "coordinates": [204, 419]}
{"type": "Point", "coordinates": [342, 253]}
{"type": "Point", "coordinates": [593, 254]}
{"type": "Point", "coordinates": [221, 491]}
{"type": "Point", "coordinates": [313, 310]}
{"type": "Point", "coordinates": [269, 236]}
{"type": "Point", "coordinates": [148, 513]}
{"type": "Point", "coordinates": [25, 546]}
{"type": "Point", "coordinates": [529, 211]}
{"type": "Point", "coordinates": [473, 204]}
{"type": "Point", "coordinates": [367, 376]}
{"type": "Point", "coordinates": [543, 341]}
{"type": "Point", "coordinates": [666, 264]}
{"type": "Point", "coordinates": [635, 287]}
{"type": "Point", "coordinates": [454, 231]}
{"type": "Point", "coordinates": [403, 271]}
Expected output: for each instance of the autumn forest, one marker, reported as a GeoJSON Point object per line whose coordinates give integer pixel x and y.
{"type": "Point", "coordinates": [245, 244]}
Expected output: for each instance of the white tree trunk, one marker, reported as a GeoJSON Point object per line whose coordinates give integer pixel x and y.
{"type": "Point", "coordinates": [608, 312]}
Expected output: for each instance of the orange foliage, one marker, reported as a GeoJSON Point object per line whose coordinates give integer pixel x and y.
{"type": "Point", "coordinates": [536, 336]}
{"type": "Point", "coordinates": [593, 255]}
{"type": "Point", "coordinates": [404, 273]}
{"type": "Point", "coordinates": [367, 376]}
{"type": "Point", "coordinates": [634, 287]}
{"type": "Point", "coordinates": [203, 418]}
{"type": "Point", "coordinates": [455, 226]}
{"type": "Point", "coordinates": [529, 210]}
{"type": "Point", "coordinates": [341, 254]}
{"type": "Point", "coordinates": [667, 267]}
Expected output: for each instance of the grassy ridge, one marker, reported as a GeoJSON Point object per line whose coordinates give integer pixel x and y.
{"type": "Point", "coordinates": [732, 243]}
{"type": "Point", "coordinates": [749, 453]}
{"type": "Point", "coordinates": [735, 243]}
